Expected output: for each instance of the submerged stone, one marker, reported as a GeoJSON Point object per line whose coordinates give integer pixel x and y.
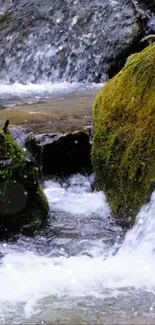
{"type": "Point", "coordinates": [123, 151]}
{"type": "Point", "coordinates": [61, 153]}
{"type": "Point", "coordinates": [22, 201]}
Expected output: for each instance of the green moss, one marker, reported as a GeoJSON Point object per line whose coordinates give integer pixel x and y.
{"type": "Point", "coordinates": [123, 152]}
{"type": "Point", "coordinates": [22, 201]}
{"type": "Point", "coordinates": [9, 149]}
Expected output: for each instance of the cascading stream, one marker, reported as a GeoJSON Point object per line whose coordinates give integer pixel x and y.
{"type": "Point", "coordinates": [80, 269]}
{"type": "Point", "coordinates": [63, 40]}
{"type": "Point", "coordinates": [50, 48]}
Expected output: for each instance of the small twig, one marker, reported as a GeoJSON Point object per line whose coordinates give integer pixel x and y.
{"type": "Point", "coordinates": [5, 127]}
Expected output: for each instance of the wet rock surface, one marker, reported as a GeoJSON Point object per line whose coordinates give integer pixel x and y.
{"type": "Point", "coordinates": [66, 40]}
{"type": "Point", "coordinates": [61, 153]}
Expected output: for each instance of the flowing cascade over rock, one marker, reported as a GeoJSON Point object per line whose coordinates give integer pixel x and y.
{"type": "Point", "coordinates": [23, 205]}
{"type": "Point", "coordinates": [123, 151]}
{"type": "Point", "coordinates": [66, 40]}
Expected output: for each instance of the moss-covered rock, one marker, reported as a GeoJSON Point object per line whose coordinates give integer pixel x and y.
{"type": "Point", "coordinates": [22, 201]}
{"type": "Point", "coordinates": [123, 151]}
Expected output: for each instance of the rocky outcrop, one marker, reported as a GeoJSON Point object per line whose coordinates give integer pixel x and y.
{"type": "Point", "coordinates": [123, 152]}
{"type": "Point", "coordinates": [61, 153]}
{"type": "Point", "coordinates": [23, 206]}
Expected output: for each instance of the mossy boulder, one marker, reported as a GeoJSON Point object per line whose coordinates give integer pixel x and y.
{"type": "Point", "coordinates": [123, 152]}
{"type": "Point", "coordinates": [23, 205]}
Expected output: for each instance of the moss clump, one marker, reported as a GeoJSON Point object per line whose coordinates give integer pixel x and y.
{"type": "Point", "coordinates": [123, 152]}
{"type": "Point", "coordinates": [22, 202]}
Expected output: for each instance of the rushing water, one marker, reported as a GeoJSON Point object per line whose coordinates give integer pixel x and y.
{"type": "Point", "coordinates": [62, 46]}
{"type": "Point", "coordinates": [80, 270]}
{"type": "Point", "coordinates": [65, 40]}
{"type": "Point", "coordinates": [16, 94]}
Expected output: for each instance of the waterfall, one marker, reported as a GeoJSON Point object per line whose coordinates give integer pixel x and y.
{"type": "Point", "coordinates": [57, 41]}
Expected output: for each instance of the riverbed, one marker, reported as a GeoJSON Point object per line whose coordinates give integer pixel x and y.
{"type": "Point", "coordinates": [63, 113]}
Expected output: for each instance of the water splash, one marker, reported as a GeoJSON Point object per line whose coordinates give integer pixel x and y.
{"type": "Point", "coordinates": [76, 198]}
{"type": "Point", "coordinates": [27, 277]}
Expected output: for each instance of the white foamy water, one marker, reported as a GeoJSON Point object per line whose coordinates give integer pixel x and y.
{"type": "Point", "coordinates": [27, 277]}
{"type": "Point", "coordinates": [76, 198]}
{"type": "Point", "coordinates": [17, 93]}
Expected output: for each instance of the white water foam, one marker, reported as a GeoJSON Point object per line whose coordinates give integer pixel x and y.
{"type": "Point", "coordinates": [16, 93]}
{"type": "Point", "coordinates": [77, 198]}
{"type": "Point", "coordinates": [27, 277]}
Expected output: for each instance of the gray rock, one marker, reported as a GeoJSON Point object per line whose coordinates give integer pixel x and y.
{"type": "Point", "coordinates": [61, 153]}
